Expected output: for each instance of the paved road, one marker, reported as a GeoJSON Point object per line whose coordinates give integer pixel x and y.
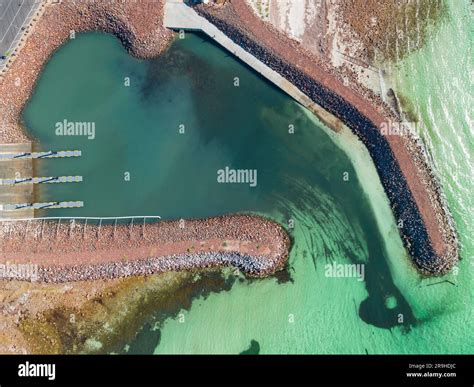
{"type": "Point", "coordinates": [14, 14]}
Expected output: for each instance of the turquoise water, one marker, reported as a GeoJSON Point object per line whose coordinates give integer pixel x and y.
{"type": "Point", "coordinates": [300, 177]}
{"type": "Point", "coordinates": [438, 81]}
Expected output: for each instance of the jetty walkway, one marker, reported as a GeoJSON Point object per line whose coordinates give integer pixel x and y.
{"type": "Point", "coordinates": [38, 155]}
{"type": "Point", "coordinates": [42, 180]}
{"type": "Point", "coordinates": [40, 206]}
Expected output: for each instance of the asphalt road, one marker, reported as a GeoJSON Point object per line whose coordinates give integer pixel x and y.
{"type": "Point", "coordinates": [14, 14]}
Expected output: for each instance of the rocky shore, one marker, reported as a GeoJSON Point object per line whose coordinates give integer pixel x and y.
{"type": "Point", "coordinates": [70, 251]}
{"type": "Point", "coordinates": [258, 247]}
{"type": "Point", "coordinates": [414, 192]}
{"type": "Point", "coordinates": [252, 266]}
{"type": "Point", "coordinates": [404, 170]}
{"type": "Point", "coordinates": [138, 24]}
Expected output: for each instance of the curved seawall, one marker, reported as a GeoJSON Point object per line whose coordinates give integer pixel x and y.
{"type": "Point", "coordinates": [433, 254]}
{"type": "Point", "coordinates": [410, 185]}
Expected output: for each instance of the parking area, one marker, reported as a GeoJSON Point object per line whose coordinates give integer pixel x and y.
{"type": "Point", "coordinates": [14, 16]}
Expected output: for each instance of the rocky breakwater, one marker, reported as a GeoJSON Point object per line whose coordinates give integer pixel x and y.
{"type": "Point", "coordinates": [138, 24]}
{"type": "Point", "coordinates": [415, 196]}
{"type": "Point", "coordinates": [56, 251]}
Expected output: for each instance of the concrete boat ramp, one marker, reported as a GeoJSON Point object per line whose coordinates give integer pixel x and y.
{"type": "Point", "coordinates": [17, 193]}
{"type": "Point", "coordinates": [179, 16]}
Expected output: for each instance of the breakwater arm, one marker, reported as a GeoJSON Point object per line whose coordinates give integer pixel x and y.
{"type": "Point", "coordinates": [409, 181]}
{"type": "Point", "coordinates": [68, 250]}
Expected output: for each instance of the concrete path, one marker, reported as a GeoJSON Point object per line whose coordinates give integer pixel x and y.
{"type": "Point", "coordinates": [178, 16]}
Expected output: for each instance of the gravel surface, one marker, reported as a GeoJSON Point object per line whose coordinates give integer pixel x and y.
{"type": "Point", "coordinates": [72, 251]}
